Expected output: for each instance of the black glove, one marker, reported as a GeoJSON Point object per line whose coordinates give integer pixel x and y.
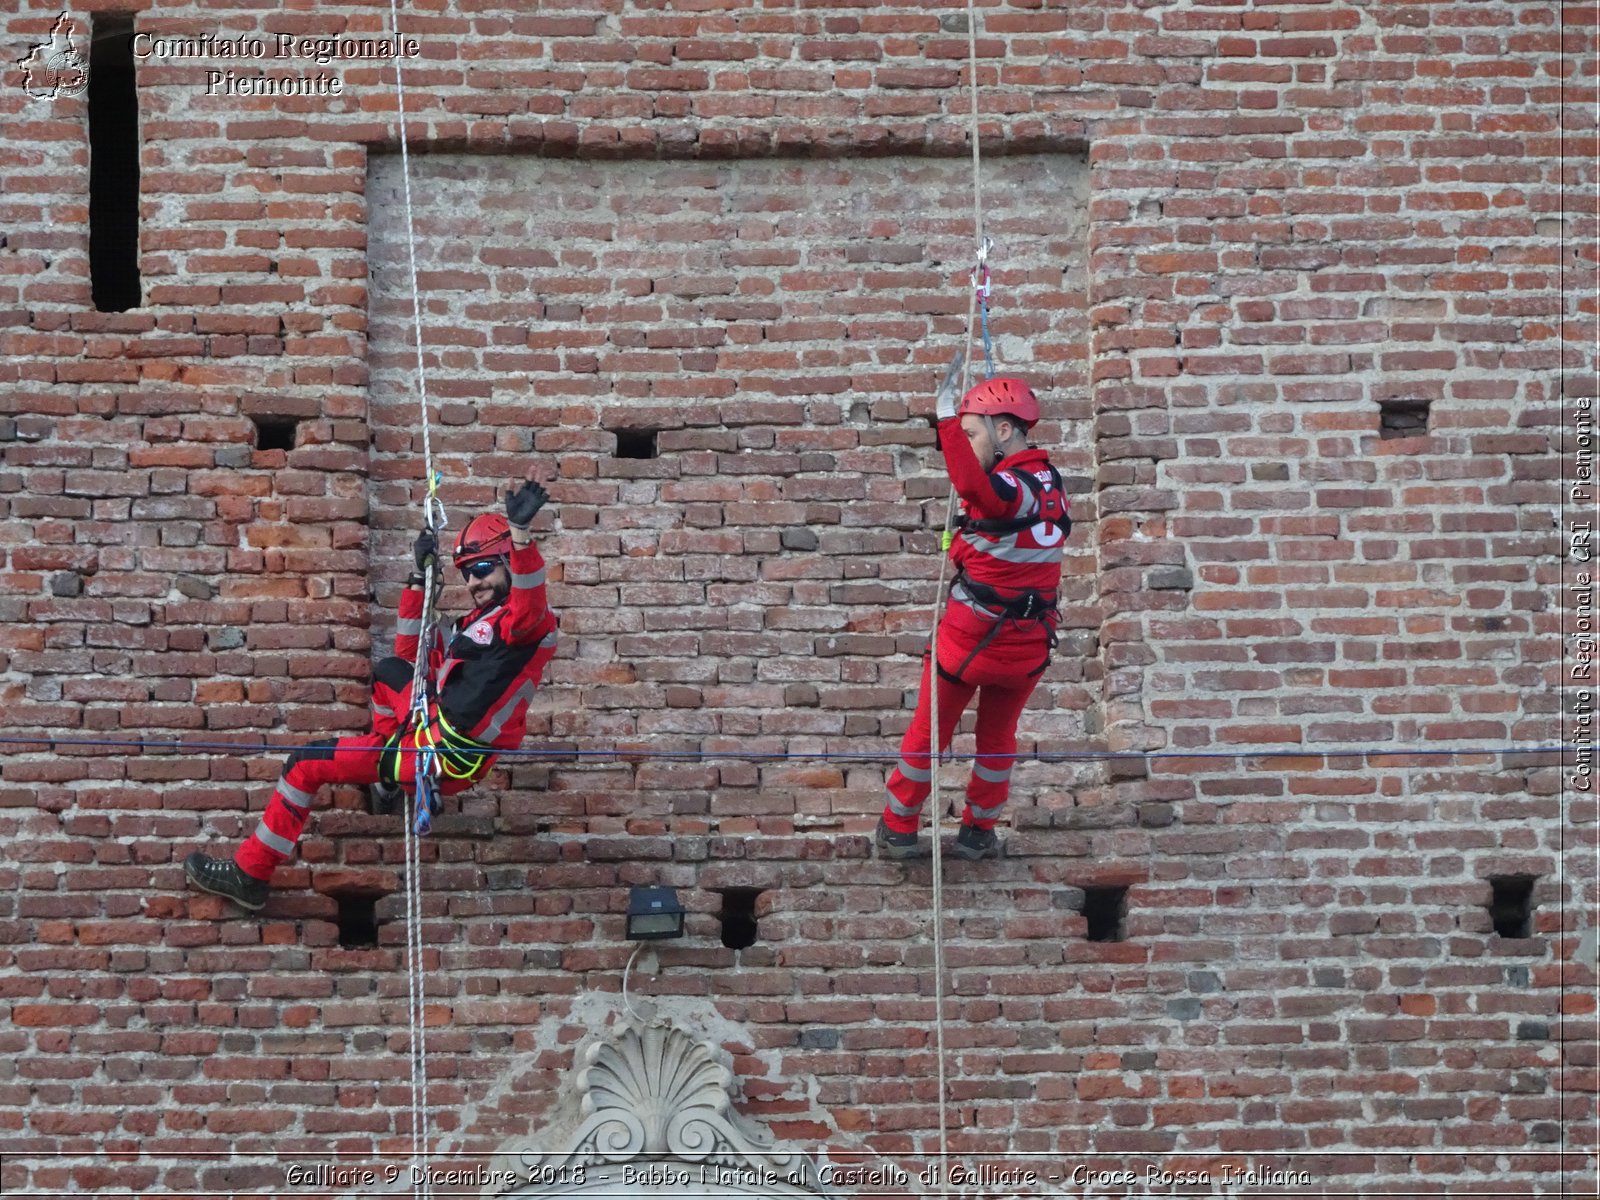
{"type": "Point", "coordinates": [425, 550]}
{"type": "Point", "coordinates": [524, 504]}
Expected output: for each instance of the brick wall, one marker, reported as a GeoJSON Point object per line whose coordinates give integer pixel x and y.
{"type": "Point", "coordinates": [1227, 236]}
{"type": "Point", "coordinates": [764, 583]}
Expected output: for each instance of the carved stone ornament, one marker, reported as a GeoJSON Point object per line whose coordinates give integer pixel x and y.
{"type": "Point", "coordinates": [657, 1120]}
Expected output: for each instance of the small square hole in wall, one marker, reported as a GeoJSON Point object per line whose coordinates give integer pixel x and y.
{"type": "Point", "coordinates": [275, 433]}
{"type": "Point", "coordinates": [1106, 911]}
{"type": "Point", "coordinates": [358, 920]}
{"type": "Point", "coordinates": [636, 443]}
{"type": "Point", "coordinates": [1511, 905]}
{"type": "Point", "coordinates": [1402, 418]}
{"type": "Point", "coordinates": [738, 916]}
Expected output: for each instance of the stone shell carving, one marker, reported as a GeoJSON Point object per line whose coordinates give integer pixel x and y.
{"type": "Point", "coordinates": [651, 1094]}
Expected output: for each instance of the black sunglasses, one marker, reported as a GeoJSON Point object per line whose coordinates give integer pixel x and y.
{"type": "Point", "coordinates": [480, 570]}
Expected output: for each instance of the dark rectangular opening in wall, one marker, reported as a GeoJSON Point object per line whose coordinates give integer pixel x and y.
{"type": "Point", "coordinates": [1402, 418]}
{"type": "Point", "coordinates": [275, 433]}
{"type": "Point", "coordinates": [113, 166]}
{"type": "Point", "coordinates": [358, 920]}
{"type": "Point", "coordinates": [738, 916]}
{"type": "Point", "coordinates": [1106, 911]}
{"type": "Point", "coordinates": [1511, 905]}
{"type": "Point", "coordinates": [636, 443]}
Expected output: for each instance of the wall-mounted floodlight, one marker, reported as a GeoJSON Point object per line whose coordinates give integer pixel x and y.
{"type": "Point", "coordinates": [654, 914]}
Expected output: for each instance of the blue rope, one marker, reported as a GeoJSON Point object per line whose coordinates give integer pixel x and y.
{"type": "Point", "coordinates": [1045, 756]}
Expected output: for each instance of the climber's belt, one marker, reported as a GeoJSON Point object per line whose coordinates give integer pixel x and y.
{"type": "Point", "coordinates": [457, 756]}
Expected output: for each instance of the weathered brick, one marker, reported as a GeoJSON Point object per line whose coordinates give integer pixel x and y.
{"type": "Point", "coordinates": [749, 232]}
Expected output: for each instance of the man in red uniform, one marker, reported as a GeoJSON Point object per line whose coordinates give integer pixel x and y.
{"type": "Point", "coordinates": [999, 625]}
{"type": "Point", "coordinates": [483, 674]}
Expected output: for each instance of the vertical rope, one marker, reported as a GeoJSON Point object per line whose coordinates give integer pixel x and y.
{"type": "Point", "coordinates": [936, 797]}
{"type": "Point", "coordinates": [433, 517]}
{"type": "Point", "coordinates": [977, 179]}
{"type": "Point", "coordinates": [416, 1046]}
{"type": "Point", "coordinates": [411, 256]}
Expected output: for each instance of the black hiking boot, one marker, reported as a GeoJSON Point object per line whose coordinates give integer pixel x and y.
{"type": "Point", "coordinates": [222, 877]}
{"type": "Point", "coordinates": [973, 844]}
{"type": "Point", "coordinates": [899, 845]}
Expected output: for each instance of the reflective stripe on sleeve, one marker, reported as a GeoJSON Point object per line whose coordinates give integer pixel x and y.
{"type": "Point", "coordinates": [502, 714]}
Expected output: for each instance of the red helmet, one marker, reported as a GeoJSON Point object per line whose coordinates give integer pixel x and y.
{"type": "Point", "coordinates": [1002, 398]}
{"type": "Point", "coordinates": [487, 535]}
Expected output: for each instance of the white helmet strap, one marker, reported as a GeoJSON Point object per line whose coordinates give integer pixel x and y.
{"type": "Point", "coordinates": [994, 440]}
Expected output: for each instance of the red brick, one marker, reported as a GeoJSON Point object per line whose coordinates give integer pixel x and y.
{"type": "Point", "coordinates": [1330, 218]}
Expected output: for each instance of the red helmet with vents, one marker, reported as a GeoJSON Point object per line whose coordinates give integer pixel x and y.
{"type": "Point", "coordinates": [1002, 398]}
{"type": "Point", "coordinates": [487, 535]}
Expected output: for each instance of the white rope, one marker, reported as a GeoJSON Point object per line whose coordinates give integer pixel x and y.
{"type": "Point", "coordinates": [627, 1004]}
{"type": "Point", "coordinates": [433, 513]}
{"type": "Point", "coordinates": [977, 179]}
{"type": "Point", "coordinates": [936, 798]}
{"type": "Point", "coordinates": [416, 999]}
{"type": "Point", "coordinates": [435, 519]}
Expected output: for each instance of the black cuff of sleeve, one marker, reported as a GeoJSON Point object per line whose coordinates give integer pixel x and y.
{"type": "Point", "coordinates": [415, 580]}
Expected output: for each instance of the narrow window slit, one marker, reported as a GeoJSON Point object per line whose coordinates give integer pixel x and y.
{"type": "Point", "coordinates": [113, 166]}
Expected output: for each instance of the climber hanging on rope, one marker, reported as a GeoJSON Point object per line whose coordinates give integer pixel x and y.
{"type": "Point", "coordinates": [480, 678]}
{"type": "Point", "coordinates": [999, 626]}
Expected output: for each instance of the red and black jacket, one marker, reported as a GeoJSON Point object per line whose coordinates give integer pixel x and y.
{"type": "Point", "coordinates": [486, 666]}
{"type": "Point", "coordinates": [1013, 529]}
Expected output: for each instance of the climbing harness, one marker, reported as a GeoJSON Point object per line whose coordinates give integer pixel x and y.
{"type": "Point", "coordinates": [1028, 607]}
{"type": "Point", "coordinates": [441, 749]}
{"type": "Point", "coordinates": [455, 754]}
{"type": "Point", "coordinates": [417, 721]}
{"type": "Point", "coordinates": [1001, 526]}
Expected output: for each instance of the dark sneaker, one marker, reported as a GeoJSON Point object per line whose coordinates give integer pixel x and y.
{"type": "Point", "coordinates": [973, 844]}
{"type": "Point", "coordinates": [899, 845]}
{"type": "Point", "coordinates": [383, 800]}
{"type": "Point", "coordinates": [222, 877]}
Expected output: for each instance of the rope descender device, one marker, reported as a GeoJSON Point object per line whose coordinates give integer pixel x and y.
{"type": "Point", "coordinates": [427, 799]}
{"type": "Point", "coordinates": [982, 288]}
{"type": "Point", "coordinates": [418, 718]}
{"type": "Point", "coordinates": [982, 268]}
{"type": "Point", "coordinates": [433, 514]}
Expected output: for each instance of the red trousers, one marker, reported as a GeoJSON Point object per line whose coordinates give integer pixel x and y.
{"type": "Point", "coordinates": [349, 760]}
{"type": "Point", "coordinates": [1002, 675]}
